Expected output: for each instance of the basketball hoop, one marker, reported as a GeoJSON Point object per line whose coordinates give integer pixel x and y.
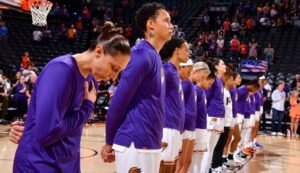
{"type": "Point", "coordinates": [39, 11]}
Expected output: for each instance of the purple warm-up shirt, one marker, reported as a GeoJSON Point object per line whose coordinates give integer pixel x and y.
{"type": "Point", "coordinates": [242, 99]}
{"type": "Point", "coordinates": [190, 102]}
{"type": "Point", "coordinates": [201, 109]}
{"type": "Point", "coordinates": [234, 97]}
{"type": "Point", "coordinates": [136, 113]}
{"type": "Point", "coordinates": [215, 99]}
{"type": "Point", "coordinates": [174, 101]}
{"type": "Point", "coordinates": [55, 119]}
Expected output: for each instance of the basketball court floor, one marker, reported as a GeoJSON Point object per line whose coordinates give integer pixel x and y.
{"type": "Point", "coordinates": [280, 154]}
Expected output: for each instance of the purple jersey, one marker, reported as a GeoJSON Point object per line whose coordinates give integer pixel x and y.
{"type": "Point", "coordinates": [55, 119]}
{"type": "Point", "coordinates": [215, 99]}
{"type": "Point", "coordinates": [174, 102]}
{"type": "Point", "coordinates": [234, 98]}
{"type": "Point", "coordinates": [190, 102]}
{"type": "Point", "coordinates": [201, 109]}
{"type": "Point", "coordinates": [242, 99]}
{"type": "Point", "coordinates": [136, 112]}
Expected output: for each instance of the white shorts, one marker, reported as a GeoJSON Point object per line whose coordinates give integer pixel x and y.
{"type": "Point", "coordinates": [252, 120]}
{"type": "Point", "coordinates": [246, 123]}
{"type": "Point", "coordinates": [173, 141]}
{"type": "Point", "coordinates": [257, 115]}
{"type": "Point", "coordinates": [234, 122]}
{"type": "Point", "coordinates": [200, 144]}
{"type": "Point", "coordinates": [215, 123]}
{"type": "Point", "coordinates": [131, 159]}
{"type": "Point", "coordinates": [240, 119]}
{"type": "Point", "coordinates": [261, 111]}
{"type": "Point", "coordinates": [191, 135]}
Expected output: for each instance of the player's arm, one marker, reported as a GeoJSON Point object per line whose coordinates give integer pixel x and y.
{"type": "Point", "coordinates": [53, 97]}
{"type": "Point", "coordinates": [129, 83]}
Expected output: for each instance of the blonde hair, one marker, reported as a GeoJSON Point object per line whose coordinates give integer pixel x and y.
{"type": "Point", "coordinates": [293, 92]}
{"type": "Point", "coordinates": [201, 66]}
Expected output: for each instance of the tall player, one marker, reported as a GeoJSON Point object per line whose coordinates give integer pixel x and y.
{"type": "Point", "coordinates": [135, 120]}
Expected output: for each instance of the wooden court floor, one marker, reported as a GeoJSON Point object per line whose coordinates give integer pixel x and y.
{"type": "Point", "coordinates": [280, 154]}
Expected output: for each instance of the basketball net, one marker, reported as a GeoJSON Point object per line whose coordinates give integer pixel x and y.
{"type": "Point", "coordinates": [39, 11]}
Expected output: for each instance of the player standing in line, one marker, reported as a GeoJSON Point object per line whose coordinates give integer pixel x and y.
{"type": "Point", "coordinates": [135, 120]}
{"type": "Point", "coordinates": [234, 131]}
{"type": "Point", "coordinates": [243, 113]}
{"type": "Point", "coordinates": [218, 152]}
{"type": "Point", "coordinates": [173, 53]}
{"type": "Point", "coordinates": [199, 73]}
{"type": "Point", "coordinates": [259, 111]}
{"type": "Point", "coordinates": [216, 113]}
{"type": "Point", "coordinates": [200, 144]}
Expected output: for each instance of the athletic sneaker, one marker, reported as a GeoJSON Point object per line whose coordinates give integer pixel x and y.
{"type": "Point", "coordinates": [230, 165]}
{"type": "Point", "coordinates": [249, 150]}
{"type": "Point", "coordinates": [217, 170]}
{"type": "Point", "coordinates": [273, 133]}
{"type": "Point", "coordinates": [258, 146]}
{"type": "Point", "coordinates": [280, 134]}
{"type": "Point", "coordinates": [241, 156]}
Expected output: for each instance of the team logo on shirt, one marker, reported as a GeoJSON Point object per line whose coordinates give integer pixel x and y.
{"type": "Point", "coordinates": [213, 120]}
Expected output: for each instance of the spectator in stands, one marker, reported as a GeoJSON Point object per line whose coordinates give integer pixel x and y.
{"type": "Point", "coordinates": [4, 89]}
{"type": "Point", "coordinates": [269, 53]}
{"type": "Point", "coordinates": [15, 81]}
{"type": "Point", "coordinates": [226, 26]}
{"type": "Point", "coordinates": [235, 28]}
{"type": "Point", "coordinates": [234, 47]}
{"type": "Point", "coordinates": [249, 24]}
{"type": "Point", "coordinates": [3, 31]}
{"type": "Point", "coordinates": [218, 22]}
{"type": "Point", "coordinates": [47, 35]}
{"type": "Point", "coordinates": [243, 50]}
{"type": "Point", "coordinates": [243, 30]}
{"type": "Point", "coordinates": [264, 22]}
{"type": "Point", "coordinates": [180, 33]}
{"type": "Point", "coordinates": [220, 47]}
{"type": "Point", "coordinates": [212, 47]}
{"type": "Point", "coordinates": [25, 61]}
{"type": "Point", "coordinates": [79, 26]}
{"type": "Point", "coordinates": [62, 32]}
{"type": "Point", "coordinates": [85, 14]}
{"type": "Point", "coordinates": [21, 98]}
{"type": "Point", "coordinates": [37, 36]}
{"type": "Point", "coordinates": [221, 32]}
{"type": "Point", "coordinates": [72, 34]}
{"type": "Point", "coordinates": [30, 85]}
{"type": "Point", "coordinates": [278, 100]}
{"type": "Point", "coordinates": [206, 20]}
{"type": "Point", "coordinates": [273, 26]}
{"type": "Point", "coordinates": [253, 48]}
{"type": "Point", "coordinates": [273, 12]}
